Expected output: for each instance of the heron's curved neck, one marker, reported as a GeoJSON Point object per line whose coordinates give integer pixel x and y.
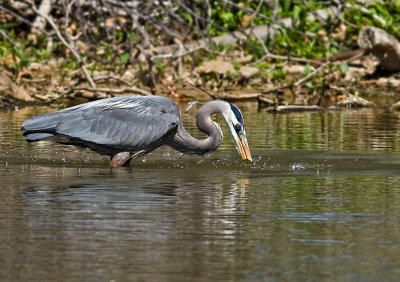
{"type": "Point", "coordinates": [186, 143]}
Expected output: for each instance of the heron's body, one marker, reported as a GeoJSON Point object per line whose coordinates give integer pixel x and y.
{"type": "Point", "coordinates": [127, 126]}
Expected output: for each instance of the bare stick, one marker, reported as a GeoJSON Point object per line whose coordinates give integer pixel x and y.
{"type": "Point", "coordinates": [287, 58]}
{"type": "Point", "coordinates": [310, 75]}
{"type": "Point", "coordinates": [39, 23]}
{"type": "Point", "coordinates": [2, 32]}
{"type": "Point", "coordinates": [178, 54]}
{"type": "Point", "coordinates": [8, 11]}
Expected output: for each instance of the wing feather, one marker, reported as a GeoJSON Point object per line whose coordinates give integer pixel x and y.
{"type": "Point", "coordinates": [134, 123]}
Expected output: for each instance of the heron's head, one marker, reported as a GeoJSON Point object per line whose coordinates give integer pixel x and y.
{"type": "Point", "coordinates": [234, 120]}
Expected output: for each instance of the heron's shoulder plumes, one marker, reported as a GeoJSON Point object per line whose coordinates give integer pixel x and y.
{"type": "Point", "coordinates": [204, 91]}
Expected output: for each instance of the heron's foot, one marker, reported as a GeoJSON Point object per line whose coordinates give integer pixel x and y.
{"type": "Point", "coordinates": [121, 159]}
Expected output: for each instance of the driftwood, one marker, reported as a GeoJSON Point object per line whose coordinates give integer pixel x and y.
{"type": "Point", "coordinates": [352, 101]}
{"type": "Point", "coordinates": [383, 45]}
{"type": "Point", "coordinates": [264, 101]}
{"type": "Point", "coordinates": [295, 108]}
{"type": "Point", "coordinates": [239, 97]}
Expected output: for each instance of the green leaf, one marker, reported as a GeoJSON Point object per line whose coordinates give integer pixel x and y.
{"type": "Point", "coordinates": [307, 70]}
{"type": "Point", "coordinates": [124, 58]}
{"type": "Point", "coordinates": [309, 84]}
{"type": "Point", "coordinates": [296, 13]}
{"type": "Point", "coordinates": [344, 67]}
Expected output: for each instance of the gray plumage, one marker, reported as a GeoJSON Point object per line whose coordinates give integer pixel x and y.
{"type": "Point", "coordinates": [128, 124]}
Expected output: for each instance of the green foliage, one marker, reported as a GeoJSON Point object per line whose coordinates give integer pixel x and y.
{"type": "Point", "coordinates": [20, 54]}
{"type": "Point", "coordinates": [305, 38]}
{"type": "Point", "coordinates": [385, 15]}
{"type": "Point", "coordinates": [343, 67]}
{"type": "Point", "coordinates": [124, 58]}
{"type": "Point", "coordinates": [160, 66]}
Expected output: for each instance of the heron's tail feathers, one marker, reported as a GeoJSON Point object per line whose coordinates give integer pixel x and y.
{"type": "Point", "coordinates": [37, 136]}
{"type": "Point", "coordinates": [38, 128]}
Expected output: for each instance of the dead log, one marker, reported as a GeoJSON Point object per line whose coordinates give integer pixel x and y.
{"type": "Point", "coordinates": [239, 97]}
{"type": "Point", "coordinates": [295, 108]}
{"type": "Point", "coordinates": [382, 45]}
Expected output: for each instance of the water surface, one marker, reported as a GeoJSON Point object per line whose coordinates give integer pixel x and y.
{"type": "Point", "coordinates": [321, 201]}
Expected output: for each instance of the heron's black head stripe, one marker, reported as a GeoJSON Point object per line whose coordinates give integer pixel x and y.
{"type": "Point", "coordinates": [237, 113]}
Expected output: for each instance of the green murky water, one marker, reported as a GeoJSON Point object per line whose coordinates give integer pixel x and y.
{"type": "Point", "coordinates": [320, 202]}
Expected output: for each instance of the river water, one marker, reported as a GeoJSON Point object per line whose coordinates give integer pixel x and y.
{"type": "Point", "coordinates": [320, 202]}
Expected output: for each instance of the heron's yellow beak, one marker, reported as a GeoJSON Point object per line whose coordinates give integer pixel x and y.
{"type": "Point", "coordinates": [243, 147]}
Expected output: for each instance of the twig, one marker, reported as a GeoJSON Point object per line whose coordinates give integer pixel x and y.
{"type": "Point", "coordinates": [66, 44]}
{"type": "Point", "coordinates": [8, 11]}
{"type": "Point", "coordinates": [117, 78]}
{"type": "Point", "coordinates": [250, 31]}
{"type": "Point", "coordinates": [287, 58]}
{"type": "Point", "coordinates": [2, 32]}
{"type": "Point", "coordinates": [310, 75]}
{"type": "Point", "coordinates": [178, 54]}
{"type": "Point", "coordinates": [45, 100]}
{"type": "Point", "coordinates": [39, 22]}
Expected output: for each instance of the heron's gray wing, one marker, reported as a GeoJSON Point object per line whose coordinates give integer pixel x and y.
{"type": "Point", "coordinates": [134, 123]}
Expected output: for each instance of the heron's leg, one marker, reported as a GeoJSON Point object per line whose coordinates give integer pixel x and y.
{"type": "Point", "coordinates": [121, 159]}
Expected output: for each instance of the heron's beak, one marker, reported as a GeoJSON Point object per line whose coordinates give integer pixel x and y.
{"type": "Point", "coordinates": [243, 147]}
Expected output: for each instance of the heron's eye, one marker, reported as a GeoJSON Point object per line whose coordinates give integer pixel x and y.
{"type": "Point", "coordinates": [238, 127]}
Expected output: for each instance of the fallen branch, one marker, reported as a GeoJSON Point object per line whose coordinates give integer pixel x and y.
{"type": "Point", "coordinates": [295, 108]}
{"type": "Point", "coordinates": [287, 58]}
{"type": "Point", "coordinates": [264, 101]}
{"type": "Point", "coordinates": [239, 97]}
{"type": "Point", "coordinates": [310, 75]}
{"type": "Point", "coordinates": [65, 93]}
{"type": "Point", "coordinates": [344, 56]}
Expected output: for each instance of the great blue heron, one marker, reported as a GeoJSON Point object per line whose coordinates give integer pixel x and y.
{"type": "Point", "coordinates": [126, 127]}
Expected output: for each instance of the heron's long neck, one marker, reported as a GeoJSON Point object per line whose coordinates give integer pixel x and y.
{"type": "Point", "coordinates": [186, 143]}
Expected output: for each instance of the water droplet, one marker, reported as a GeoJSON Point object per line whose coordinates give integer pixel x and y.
{"type": "Point", "coordinates": [65, 159]}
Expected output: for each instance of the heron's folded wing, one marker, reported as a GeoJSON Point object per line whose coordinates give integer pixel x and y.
{"type": "Point", "coordinates": [134, 122]}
